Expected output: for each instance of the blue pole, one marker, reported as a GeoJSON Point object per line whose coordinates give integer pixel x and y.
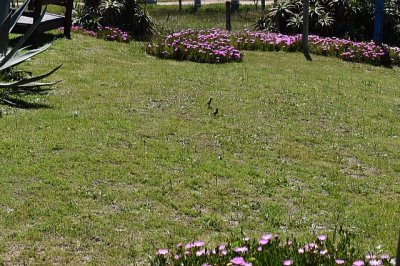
{"type": "Point", "coordinates": [378, 29]}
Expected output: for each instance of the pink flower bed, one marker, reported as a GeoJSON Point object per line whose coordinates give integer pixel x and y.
{"type": "Point", "coordinates": [271, 250]}
{"type": "Point", "coordinates": [211, 46]}
{"type": "Point", "coordinates": [219, 46]}
{"type": "Point", "coordinates": [105, 33]}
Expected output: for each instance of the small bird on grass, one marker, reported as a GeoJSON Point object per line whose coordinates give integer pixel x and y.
{"type": "Point", "coordinates": [209, 103]}
{"type": "Point", "coordinates": [215, 112]}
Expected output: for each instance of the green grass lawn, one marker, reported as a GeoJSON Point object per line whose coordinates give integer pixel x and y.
{"type": "Point", "coordinates": [124, 156]}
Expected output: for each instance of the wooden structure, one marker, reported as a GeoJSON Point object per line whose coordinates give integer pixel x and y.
{"type": "Point", "coordinates": [49, 21]}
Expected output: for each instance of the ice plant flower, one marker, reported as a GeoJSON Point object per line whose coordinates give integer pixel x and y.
{"type": "Point", "coordinates": [198, 244]}
{"type": "Point", "coordinates": [263, 242]}
{"type": "Point", "coordinates": [189, 246]}
{"type": "Point", "coordinates": [200, 252]}
{"type": "Point", "coordinates": [162, 252]}
{"type": "Point", "coordinates": [267, 236]}
{"type": "Point", "coordinates": [339, 262]}
{"type": "Point", "coordinates": [358, 263]}
{"type": "Point", "coordinates": [241, 249]}
{"type": "Point", "coordinates": [238, 261]}
{"type": "Point", "coordinates": [375, 262]}
{"type": "Point", "coordinates": [287, 262]}
{"type": "Point", "coordinates": [322, 238]}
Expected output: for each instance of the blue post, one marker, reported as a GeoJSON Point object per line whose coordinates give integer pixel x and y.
{"type": "Point", "coordinates": [378, 29]}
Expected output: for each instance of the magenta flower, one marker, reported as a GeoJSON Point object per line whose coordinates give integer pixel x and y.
{"type": "Point", "coordinates": [263, 241]}
{"type": "Point", "coordinates": [200, 253]}
{"type": "Point", "coordinates": [189, 246]}
{"type": "Point", "coordinates": [198, 244]}
{"type": "Point", "coordinates": [385, 257]}
{"type": "Point", "coordinates": [287, 262]}
{"type": "Point", "coordinates": [238, 261]}
{"type": "Point", "coordinates": [241, 249]}
{"type": "Point", "coordinates": [375, 262]}
{"type": "Point", "coordinates": [267, 236]}
{"type": "Point", "coordinates": [162, 252]}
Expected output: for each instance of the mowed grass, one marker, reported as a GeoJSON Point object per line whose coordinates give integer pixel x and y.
{"type": "Point", "coordinates": [125, 156]}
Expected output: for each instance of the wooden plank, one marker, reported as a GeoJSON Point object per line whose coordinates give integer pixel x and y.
{"type": "Point", "coordinates": [26, 20]}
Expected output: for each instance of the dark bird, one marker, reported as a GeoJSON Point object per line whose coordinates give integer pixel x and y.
{"type": "Point", "coordinates": [209, 103]}
{"type": "Point", "coordinates": [216, 112]}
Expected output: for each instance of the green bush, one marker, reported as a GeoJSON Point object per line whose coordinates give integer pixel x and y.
{"type": "Point", "coordinates": [126, 15]}
{"type": "Point", "coordinates": [341, 18]}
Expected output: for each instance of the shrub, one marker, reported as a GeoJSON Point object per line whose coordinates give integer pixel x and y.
{"type": "Point", "coordinates": [126, 15]}
{"type": "Point", "coordinates": [342, 18]}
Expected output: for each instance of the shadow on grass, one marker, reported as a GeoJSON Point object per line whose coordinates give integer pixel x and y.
{"type": "Point", "coordinates": [15, 98]}
{"type": "Point", "coordinates": [42, 40]}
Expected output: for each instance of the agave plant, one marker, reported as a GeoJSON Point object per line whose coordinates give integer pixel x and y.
{"type": "Point", "coordinates": [110, 11]}
{"type": "Point", "coordinates": [10, 57]}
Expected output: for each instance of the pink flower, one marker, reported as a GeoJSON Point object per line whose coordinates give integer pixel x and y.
{"type": "Point", "coordinates": [198, 244]}
{"type": "Point", "coordinates": [263, 242]}
{"type": "Point", "coordinates": [375, 262]}
{"type": "Point", "coordinates": [162, 252]}
{"type": "Point", "coordinates": [200, 253]}
{"type": "Point", "coordinates": [322, 238]}
{"type": "Point", "coordinates": [238, 261]}
{"type": "Point", "coordinates": [339, 262]}
{"type": "Point", "coordinates": [241, 249]}
{"type": "Point", "coordinates": [267, 236]}
{"type": "Point", "coordinates": [358, 263]}
{"type": "Point", "coordinates": [287, 262]}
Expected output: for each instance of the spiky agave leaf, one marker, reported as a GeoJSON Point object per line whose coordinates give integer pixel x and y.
{"type": "Point", "coordinates": [17, 14]}
{"type": "Point", "coordinates": [11, 60]}
{"type": "Point", "coordinates": [21, 56]}
{"type": "Point", "coordinates": [30, 82]}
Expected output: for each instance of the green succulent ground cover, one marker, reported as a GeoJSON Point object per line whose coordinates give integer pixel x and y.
{"type": "Point", "coordinates": [125, 157]}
